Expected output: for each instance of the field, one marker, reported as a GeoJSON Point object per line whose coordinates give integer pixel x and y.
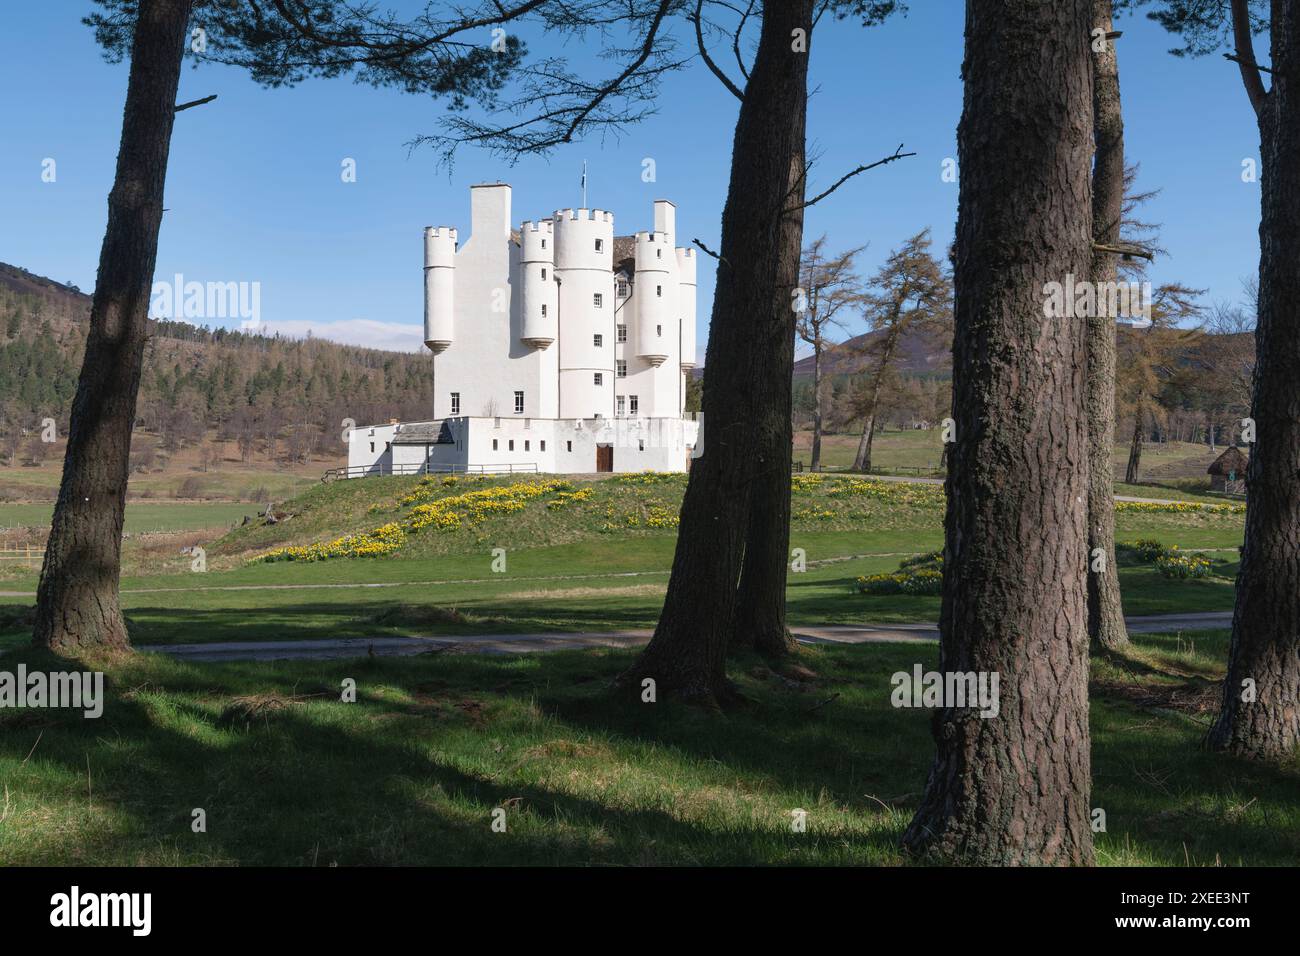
{"type": "Point", "coordinates": [585, 555]}
{"type": "Point", "coordinates": [144, 516]}
{"type": "Point", "coordinates": [229, 479]}
{"type": "Point", "coordinates": [412, 772]}
{"type": "Point", "coordinates": [1171, 466]}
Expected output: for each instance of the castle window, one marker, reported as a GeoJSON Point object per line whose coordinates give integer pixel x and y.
{"type": "Point", "coordinates": [543, 310]}
{"type": "Point", "coordinates": [526, 444]}
{"type": "Point", "coordinates": [543, 273]}
{"type": "Point", "coordinates": [618, 408]}
{"type": "Point", "coordinates": [659, 291]}
{"type": "Point", "coordinates": [659, 253]}
{"type": "Point", "coordinates": [622, 368]}
{"type": "Point", "coordinates": [600, 245]}
{"type": "Point", "coordinates": [641, 444]}
{"type": "Point", "coordinates": [511, 445]}
{"type": "Point", "coordinates": [543, 246]}
{"type": "Point", "coordinates": [632, 404]}
{"type": "Point", "coordinates": [570, 445]}
{"type": "Point", "coordinates": [659, 331]}
{"type": "Point", "coordinates": [598, 379]}
{"type": "Point", "coordinates": [519, 403]}
{"type": "Point", "coordinates": [372, 447]}
{"type": "Point", "coordinates": [624, 290]}
{"type": "Point", "coordinates": [622, 333]}
{"type": "Point", "coordinates": [598, 340]}
{"type": "Point", "coordinates": [598, 300]}
{"type": "Point", "coordinates": [494, 444]}
{"type": "Point", "coordinates": [543, 444]}
{"type": "Point", "coordinates": [455, 403]}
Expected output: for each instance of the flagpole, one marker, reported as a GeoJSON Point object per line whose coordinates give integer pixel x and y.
{"type": "Point", "coordinates": [584, 184]}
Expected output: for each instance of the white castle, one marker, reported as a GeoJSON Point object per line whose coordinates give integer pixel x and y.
{"type": "Point", "coordinates": [557, 347]}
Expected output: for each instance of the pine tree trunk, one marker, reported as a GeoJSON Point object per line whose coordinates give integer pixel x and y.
{"type": "Point", "coordinates": [1265, 646]}
{"type": "Point", "coordinates": [77, 601]}
{"type": "Point", "coordinates": [862, 460]}
{"type": "Point", "coordinates": [862, 457]}
{"type": "Point", "coordinates": [1135, 449]}
{"type": "Point", "coordinates": [746, 407]}
{"type": "Point", "coordinates": [1105, 610]}
{"type": "Point", "coordinates": [816, 458]}
{"type": "Point", "coordinates": [1014, 789]}
{"type": "Point", "coordinates": [760, 621]}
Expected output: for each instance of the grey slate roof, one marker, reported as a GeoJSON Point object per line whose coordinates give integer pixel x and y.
{"type": "Point", "coordinates": [423, 433]}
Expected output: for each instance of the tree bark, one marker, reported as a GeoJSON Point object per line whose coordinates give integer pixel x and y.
{"type": "Point", "coordinates": [862, 460]}
{"type": "Point", "coordinates": [816, 457]}
{"type": "Point", "coordinates": [1135, 449]}
{"type": "Point", "coordinates": [1265, 646]}
{"type": "Point", "coordinates": [747, 393]}
{"type": "Point", "coordinates": [77, 601]}
{"type": "Point", "coordinates": [1105, 610]}
{"type": "Point", "coordinates": [1014, 789]}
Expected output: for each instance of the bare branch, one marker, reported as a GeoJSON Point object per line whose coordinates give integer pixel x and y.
{"type": "Point", "coordinates": [1245, 57]}
{"type": "Point", "coordinates": [710, 251]}
{"type": "Point", "coordinates": [897, 154]}
{"type": "Point", "coordinates": [192, 103]}
{"type": "Point", "coordinates": [1125, 250]}
{"type": "Point", "coordinates": [1259, 66]}
{"type": "Point", "coordinates": [698, 19]}
{"type": "Point", "coordinates": [735, 40]}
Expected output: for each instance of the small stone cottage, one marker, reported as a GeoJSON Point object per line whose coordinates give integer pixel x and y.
{"type": "Point", "coordinates": [1228, 473]}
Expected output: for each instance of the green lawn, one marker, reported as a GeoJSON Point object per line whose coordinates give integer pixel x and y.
{"type": "Point", "coordinates": [412, 772]}
{"type": "Point", "coordinates": [235, 481]}
{"type": "Point", "coordinates": [566, 570]}
{"type": "Point", "coordinates": [144, 516]}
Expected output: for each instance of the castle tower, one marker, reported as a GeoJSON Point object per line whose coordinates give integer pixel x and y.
{"type": "Point", "coordinates": [439, 287]}
{"type": "Point", "coordinates": [584, 257]}
{"type": "Point", "coordinates": [686, 304]}
{"type": "Point", "coordinates": [656, 296]}
{"type": "Point", "coordinates": [539, 303]}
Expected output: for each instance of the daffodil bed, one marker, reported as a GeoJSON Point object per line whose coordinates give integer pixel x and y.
{"type": "Point", "coordinates": [1169, 561]}
{"type": "Point", "coordinates": [466, 512]}
{"type": "Point", "coordinates": [921, 574]}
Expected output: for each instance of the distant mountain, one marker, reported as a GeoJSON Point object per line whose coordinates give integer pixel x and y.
{"type": "Point", "coordinates": [918, 354]}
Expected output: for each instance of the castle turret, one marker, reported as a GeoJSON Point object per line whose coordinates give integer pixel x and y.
{"type": "Point", "coordinates": [584, 257]}
{"type": "Point", "coordinates": [539, 304]}
{"type": "Point", "coordinates": [439, 287]}
{"type": "Point", "coordinates": [656, 296]}
{"type": "Point", "coordinates": [686, 304]}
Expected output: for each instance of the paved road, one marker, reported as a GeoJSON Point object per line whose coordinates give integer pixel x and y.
{"type": "Point", "coordinates": [328, 649]}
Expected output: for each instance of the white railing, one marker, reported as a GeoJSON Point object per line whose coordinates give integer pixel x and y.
{"type": "Point", "coordinates": [381, 470]}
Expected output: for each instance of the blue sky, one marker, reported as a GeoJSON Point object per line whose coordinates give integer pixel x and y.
{"type": "Point", "coordinates": [254, 190]}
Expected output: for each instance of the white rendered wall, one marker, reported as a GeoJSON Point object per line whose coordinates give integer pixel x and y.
{"type": "Point", "coordinates": [368, 447]}
{"type": "Point", "coordinates": [551, 445]}
{"type": "Point", "coordinates": [488, 360]}
{"type": "Point", "coordinates": [584, 272]}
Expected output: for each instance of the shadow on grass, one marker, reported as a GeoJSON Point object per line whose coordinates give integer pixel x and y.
{"type": "Point", "coordinates": [410, 773]}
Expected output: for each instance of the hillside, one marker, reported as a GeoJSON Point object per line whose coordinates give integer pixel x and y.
{"type": "Point", "coordinates": [918, 354]}
{"type": "Point", "coordinates": [277, 398]}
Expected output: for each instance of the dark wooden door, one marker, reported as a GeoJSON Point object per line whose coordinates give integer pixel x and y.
{"type": "Point", "coordinates": [604, 457]}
